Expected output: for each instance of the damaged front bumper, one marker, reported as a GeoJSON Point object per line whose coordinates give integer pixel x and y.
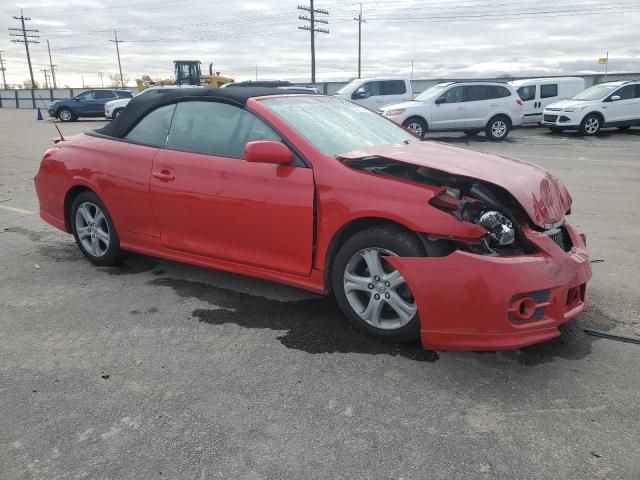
{"type": "Point", "coordinates": [475, 302]}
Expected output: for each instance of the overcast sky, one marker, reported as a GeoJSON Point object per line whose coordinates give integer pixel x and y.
{"type": "Point", "coordinates": [442, 37]}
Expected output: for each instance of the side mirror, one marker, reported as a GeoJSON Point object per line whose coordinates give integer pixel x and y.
{"type": "Point", "coordinates": [615, 98]}
{"type": "Point", "coordinates": [267, 151]}
{"type": "Point", "coordinates": [360, 93]}
{"type": "Point", "coordinates": [440, 100]}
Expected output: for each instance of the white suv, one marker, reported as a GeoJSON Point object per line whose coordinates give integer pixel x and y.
{"type": "Point", "coordinates": [611, 104]}
{"type": "Point", "coordinates": [468, 107]}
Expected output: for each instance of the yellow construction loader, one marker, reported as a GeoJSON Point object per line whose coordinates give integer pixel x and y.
{"type": "Point", "coordinates": [188, 72]}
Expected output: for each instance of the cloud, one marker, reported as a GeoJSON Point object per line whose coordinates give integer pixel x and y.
{"type": "Point", "coordinates": [443, 38]}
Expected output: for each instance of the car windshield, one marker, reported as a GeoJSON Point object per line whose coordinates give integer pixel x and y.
{"type": "Point", "coordinates": [430, 94]}
{"type": "Point", "coordinates": [347, 87]}
{"type": "Point", "coordinates": [335, 126]}
{"type": "Point", "coordinates": [596, 92]}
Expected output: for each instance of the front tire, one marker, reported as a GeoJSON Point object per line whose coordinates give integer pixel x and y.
{"type": "Point", "coordinates": [93, 230]}
{"type": "Point", "coordinates": [117, 113]}
{"type": "Point", "coordinates": [66, 115]}
{"type": "Point", "coordinates": [372, 294]}
{"type": "Point", "coordinates": [591, 125]}
{"type": "Point", "coordinates": [416, 125]}
{"type": "Point", "coordinates": [498, 128]}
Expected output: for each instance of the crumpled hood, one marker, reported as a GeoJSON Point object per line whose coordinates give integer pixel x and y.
{"type": "Point", "coordinates": [567, 104]}
{"type": "Point", "coordinates": [544, 198]}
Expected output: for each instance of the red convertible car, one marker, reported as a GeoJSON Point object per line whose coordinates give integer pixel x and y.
{"type": "Point", "coordinates": [415, 239]}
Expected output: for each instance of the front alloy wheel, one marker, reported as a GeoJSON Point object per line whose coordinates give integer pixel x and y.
{"type": "Point", "coordinates": [373, 295]}
{"type": "Point", "coordinates": [377, 292]}
{"type": "Point", "coordinates": [417, 126]}
{"type": "Point", "coordinates": [591, 125]}
{"type": "Point", "coordinates": [65, 115]}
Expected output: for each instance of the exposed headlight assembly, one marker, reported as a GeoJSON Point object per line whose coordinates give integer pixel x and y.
{"type": "Point", "coordinates": [499, 227]}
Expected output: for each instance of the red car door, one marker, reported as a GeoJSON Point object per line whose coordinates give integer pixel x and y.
{"type": "Point", "coordinates": [209, 201]}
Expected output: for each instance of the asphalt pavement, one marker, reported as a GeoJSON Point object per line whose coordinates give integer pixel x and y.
{"type": "Point", "coordinates": [160, 370]}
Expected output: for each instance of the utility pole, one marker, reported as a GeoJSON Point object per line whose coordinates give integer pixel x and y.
{"type": "Point", "coordinates": [27, 34]}
{"type": "Point", "coordinates": [3, 69]}
{"type": "Point", "coordinates": [116, 41]}
{"type": "Point", "coordinates": [46, 77]}
{"type": "Point", "coordinates": [53, 71]}
{"type": "Point", "coordinates": [313, 30]}
{"type": "Point", "coordinates": [360, 22]}
{"type": "Point", "coordinates": [256, 73]}
{"type": "Point", "coordinates": [101, 80]}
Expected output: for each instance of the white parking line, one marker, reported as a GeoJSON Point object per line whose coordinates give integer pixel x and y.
{"type": "Point", "coordinates": [17, 210]}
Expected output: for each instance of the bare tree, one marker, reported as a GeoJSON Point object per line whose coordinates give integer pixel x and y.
{"type": "Point", "coordinates": [27, 84]}
{"type": "Point", "coordinates": [116, 81]}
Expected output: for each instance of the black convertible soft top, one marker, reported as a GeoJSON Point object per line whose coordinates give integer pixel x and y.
{"type": "Point", "coordinates": [141, 105]}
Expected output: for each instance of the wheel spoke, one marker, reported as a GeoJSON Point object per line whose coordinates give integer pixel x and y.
{"type": "Point", "coordinates": [404, 309]}
{"type": "Point", "coordinates": [103, 236]}
{"type": "Point", "coordinates": [394, 278]}
{"type": "Point", "coordinates": [99, 218]}
{"type": "Point", "coordinates": [95, 246]}
{"type": "Point", "coordinates": [86, 214]}
{"type": "Point", "coordinates": [372, 259]}
{"type": "Point", "coordinates": [83, 232]}
{"type": "Point", "coordinates": [356, 282]}
{"type": "Point", "coordinates": [373, 311]}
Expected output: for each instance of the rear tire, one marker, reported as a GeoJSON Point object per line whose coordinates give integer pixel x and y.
{"type": "Point", "coordinates": [117, 113]}
{"type": "Point", "coordinates": [591, 125]}
{"type": "Point", "coordinates": [498, 128]}
{"type": "Point", "coordinates": [371, 293]}
{"type": "Point", "coordinates": [471, 133]}
{"type": "Point", "coordinates": [93, 230]}
{"type": "Point", "coordinates": [416, 125]}
{"type": "Point", "coordinates": [66, 115]}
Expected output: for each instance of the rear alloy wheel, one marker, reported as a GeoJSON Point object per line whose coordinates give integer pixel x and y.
{"type": "Point", "coordinates": [416, 125]}
{"type": "Point", "coordinates": [65, 115]}
{"type": "Point", "coordinates": [374, 296]}
{"type": "Point", "coordinates": [117, 113]}
{"type": "Point", "coordinates": [591, 125]}
{"type": "Point", "coordinates": [93, 230]}
{"type": "Point", "coordinates": [497, 129]}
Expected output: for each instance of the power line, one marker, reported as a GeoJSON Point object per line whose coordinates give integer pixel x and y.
{"type": "Point", "coordinates": [27, 34]}
{"type": "Point", "coordinates": [313, 30]}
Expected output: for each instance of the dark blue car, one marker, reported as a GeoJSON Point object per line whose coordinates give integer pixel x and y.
{"type": "Point", "coordinates": [88, 104]}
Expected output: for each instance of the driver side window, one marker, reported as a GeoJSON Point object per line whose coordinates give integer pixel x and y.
{"type": "Point", "coordinates": [453, 95]}
{"type": "Point", "coordinates": [91, 95]}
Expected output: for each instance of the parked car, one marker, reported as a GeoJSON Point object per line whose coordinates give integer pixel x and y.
{"type": "Point", "coordinates": [610, 104]}
{"type": "Point", "coordinates": [537, 93]}
{"type": "Point", "coordinates": [87, 104]}
{"type": "Point", "coordinates": [468, 107]}
{"type": "Point", "coordinates": [283, 84]}
{"type": "Point", "coordinates": [113, 108]}
{"type": "Point", "coordinates": [465, 250]}
{"type": "Point", "coordinates": [375, 93]}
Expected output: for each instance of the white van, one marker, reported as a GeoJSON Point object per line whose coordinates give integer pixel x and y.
{"type": "Point", "coordinates": [537, 93]}
{"type": "Point", "coordinates": [375, 93]}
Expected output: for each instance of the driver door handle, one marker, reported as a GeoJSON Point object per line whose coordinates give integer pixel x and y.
{"type": "Point", "coordinates": [165, 175]}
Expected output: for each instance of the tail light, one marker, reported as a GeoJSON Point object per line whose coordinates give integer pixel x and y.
{"type": "Point", "coordinates": [519, 101]}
